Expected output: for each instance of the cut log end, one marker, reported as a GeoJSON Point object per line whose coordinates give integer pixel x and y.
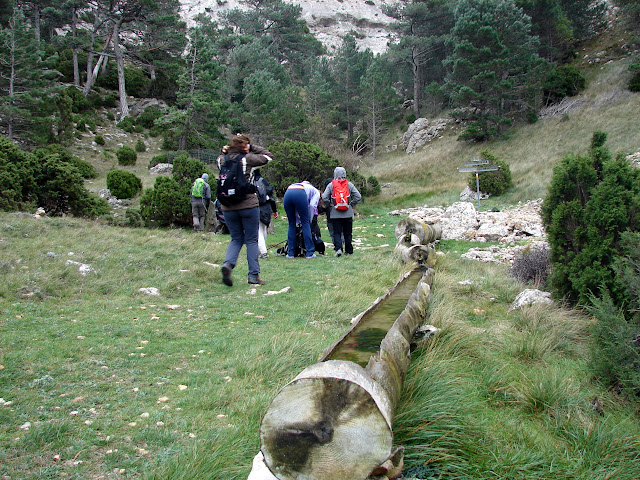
{"type": "Point", "coordinates": [324, 427]}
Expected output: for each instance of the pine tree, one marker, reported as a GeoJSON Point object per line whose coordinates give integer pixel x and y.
{"type": "Point", "coordinates": [348, 66]}
{"type": "Point", "coordinates": [193, 120]}
{"type": "Point", "coordinates": [494, 69]}
{"type": "Point", "coordinates": [379, 99]}
{"type": "Point", "coordinates": [422, 28]}
{"type": "Point", "coordinates": [27, 80]}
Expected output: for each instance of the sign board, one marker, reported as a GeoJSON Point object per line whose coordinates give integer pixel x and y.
{"type": "Point", "coordinates": [478, 169]}
{"type": "Point", "coordinates": [478, 165]}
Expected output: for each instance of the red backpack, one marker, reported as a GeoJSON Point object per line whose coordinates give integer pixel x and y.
{"type": "Point", "coordinates": [340, 194]}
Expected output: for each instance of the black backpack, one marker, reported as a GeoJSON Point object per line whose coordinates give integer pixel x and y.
{"type": "Point", "coordinates": [261, 190]}
{"type": "Point", "coordinates": [232, 187]}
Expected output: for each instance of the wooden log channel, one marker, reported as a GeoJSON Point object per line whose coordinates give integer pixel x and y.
{"type": "Point", "coordinates": [334, 420]}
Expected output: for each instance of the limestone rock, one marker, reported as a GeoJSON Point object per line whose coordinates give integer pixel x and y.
{"type": "Point", "coordinates": [531, 296]}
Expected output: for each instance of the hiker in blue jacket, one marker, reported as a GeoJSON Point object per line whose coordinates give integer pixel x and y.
{"type": "Point", "coordinates": [301, 204]}
{"type": "Point", "coordinates": [200, 196]}
{"type": "Point", "coordinates": [342, 219]}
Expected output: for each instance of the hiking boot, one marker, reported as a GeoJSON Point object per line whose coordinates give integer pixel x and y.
{"type": "Point", "coordinates": [338, 253]}
{"type": "Point", "coordinates": [226, 275]}
{"type": "Point", "coordinates": [256, 281]}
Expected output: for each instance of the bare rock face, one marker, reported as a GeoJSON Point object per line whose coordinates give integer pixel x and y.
{"type": "Point", "coordinates": [422, 131]}
{"type": "Point", "coordinates": [328, 20]}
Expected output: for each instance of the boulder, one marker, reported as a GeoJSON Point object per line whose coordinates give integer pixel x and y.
{"type": "Point", "coordinates": [531, 296]}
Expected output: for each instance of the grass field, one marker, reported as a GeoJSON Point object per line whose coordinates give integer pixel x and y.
{"type": "Point", "coordinates": [99, 380]}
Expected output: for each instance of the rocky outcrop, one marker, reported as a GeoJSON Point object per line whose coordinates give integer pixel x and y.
{"type": "Point", "coordinates": [461, 221]}
{"type": "Point", "coordinates": [161, 168]}
{"type": "Point", "coordinates": [328, 20]}
{"type": "Point", "coordinates": [422, 131]}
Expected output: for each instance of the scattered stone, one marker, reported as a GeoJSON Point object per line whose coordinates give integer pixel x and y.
{"type": "Point", "coordinates": [468, 195]}
{"type": "Point", "coordinates": [531, 296]}
{"type": "Point", "coordinates": [83, 268]}
{"type": "Point", "coordinates": [153, 291]}
{"type": "Point", "coordinates": [273, 292]}
{"type": "Point", "coordinates": [461, 221]}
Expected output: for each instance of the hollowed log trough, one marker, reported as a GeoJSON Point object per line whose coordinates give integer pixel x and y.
{"type": "Point", "coordinates": [334, 420]}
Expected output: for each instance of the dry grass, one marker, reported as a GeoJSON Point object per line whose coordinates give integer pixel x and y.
{"type": "Point", "coordinates": [531, 150]}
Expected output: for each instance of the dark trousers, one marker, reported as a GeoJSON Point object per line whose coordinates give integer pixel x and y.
{"type": "Point", "coordinates": [343, 227]}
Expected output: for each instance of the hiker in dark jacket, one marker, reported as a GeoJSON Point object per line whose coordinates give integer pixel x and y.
{"type": "Point", "coordinates": [342, 219]}
{"type": "Point", "coordinates": [243, 218]}
{"type": "Point", "coordinates": [268, 208]}
{"type": "Point", "coordinates": [199, 204]}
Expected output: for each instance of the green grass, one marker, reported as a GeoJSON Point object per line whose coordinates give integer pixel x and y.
{"type": "Point", "coordinates": [116, 382]}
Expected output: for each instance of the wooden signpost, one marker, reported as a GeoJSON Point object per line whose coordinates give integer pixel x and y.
{"type": "Point", "coordinates": [478, 165]}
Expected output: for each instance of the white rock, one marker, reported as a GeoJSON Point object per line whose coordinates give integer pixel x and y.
{"type": "Point", "coordinates": [153, 291]}
{"type": "Point", "coordinates": [531, 296]}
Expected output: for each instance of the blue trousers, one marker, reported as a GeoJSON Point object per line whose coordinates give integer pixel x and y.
{"type": "Point", "coordinates": [295, 201]}
{"type": "Point", "coordinates": [243, 227]}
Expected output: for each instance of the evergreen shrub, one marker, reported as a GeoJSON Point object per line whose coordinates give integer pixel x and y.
{"type": "Point", "coordinates": [563, 81]}
{"type": "Point", "coordinates": [140, 146]}
{"type": "Point", "coordinates": [294, 161]}
{"type": "Point", "coordinates": [127, 124]}
{"type": "Point", "coordinates": [86, 169]}
{"type": "Point", "coordinates": [99, 139]}
{"type": "Point", "coordinates": [367, 187]}
{"type": "Point", "coordinates": [110, 101]}
{"type": "Point", "coordinates": [160, 206]}
{"type": "Point", "coordinates": [126, 155]}
{"type": "Point", "coordinates": [592, 200]}
{"type": "Point", "coordinates": [147, 118]}
{"type": "Point", "coordinates": [123, 184]}
{"type": "Point", "coordinates": [495, 182]}
{"type": "Point", "coordinates": [168, 202]}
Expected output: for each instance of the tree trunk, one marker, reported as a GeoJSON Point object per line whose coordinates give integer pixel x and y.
{"type": "Point", "coordinates": [76, 68]}
{"type": "Point", "coordinates": [333, 421]}
{"type": "Point", "coordinates": [92, 73]}
{"type": "Point", "coordinates": [12, 75]}
{"type": "Point", "coordinates": [415, 64]}
{"type": "Point", "coordinates": [124, 106]}
{"type": "Point", "coordinates": [36, 21]}
{"type": "Point", "coordinates": [425, 233]}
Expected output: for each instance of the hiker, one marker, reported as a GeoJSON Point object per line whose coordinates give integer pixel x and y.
{"type": "Point", "coordinates": [301, 204]}
{"type": "Point", "coordinates": [200, 196]}
{"type": "Point", "coordinates": [268, 208]}
{"type": "Point", "coordinates": [326, 208]}
{"type": "Point", "coordinates": [342, 195]}
{"type": "Point", "coordinates": [239, 203]}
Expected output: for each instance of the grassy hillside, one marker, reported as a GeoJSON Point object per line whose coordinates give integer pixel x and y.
{"type": "Point", "coordinates": [430, 175]}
